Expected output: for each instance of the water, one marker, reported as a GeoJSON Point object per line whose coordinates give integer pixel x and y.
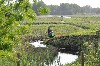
{"type": "Point", "coordinates": [61, 59]}
{"type": "Point", "coordinates": [64, 58]}
{"type": "Point", "coordinates": [38, 43]}
{"type": "Point", "coordinates": [64, 16]}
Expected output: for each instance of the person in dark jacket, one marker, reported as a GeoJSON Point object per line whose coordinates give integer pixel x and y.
{"type": "Point", "coordinates": [50, 32]}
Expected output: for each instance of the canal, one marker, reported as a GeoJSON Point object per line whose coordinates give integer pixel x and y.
{"type": "Point", "coordinates": [63, 57]}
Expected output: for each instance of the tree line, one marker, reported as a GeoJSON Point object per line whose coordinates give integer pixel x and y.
{"type": "Point", "coordinates": [67, 9]}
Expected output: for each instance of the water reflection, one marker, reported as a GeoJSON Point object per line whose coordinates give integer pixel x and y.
{"type": "Point", "coordinates": [63, 58]}
{"type": "Point", "coordinates": [38, 43]}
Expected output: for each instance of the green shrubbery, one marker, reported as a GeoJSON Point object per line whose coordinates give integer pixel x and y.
{"type": "Point", "coordinates": [16, 28]}
{"type": "Point", "coordinates": [12, 16]}
{"type": "Point", "coordinates": [91, 57]}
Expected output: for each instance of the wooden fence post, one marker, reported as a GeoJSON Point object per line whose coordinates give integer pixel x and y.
{"type": "Point", "coordinates": [18, 61]}
{"type": "Point", "coordinates": [82, 58]}
{"type": "Point", "coordinates": [98, 35]}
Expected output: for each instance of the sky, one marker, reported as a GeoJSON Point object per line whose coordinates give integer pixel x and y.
{"type": "Point", "coordinates": [92, 3]}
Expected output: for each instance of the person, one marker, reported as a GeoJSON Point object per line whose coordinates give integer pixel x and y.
{"type": "Point", "coordinates": [50, 33]}
{"type": "Point", "coordinates": [61, 18]}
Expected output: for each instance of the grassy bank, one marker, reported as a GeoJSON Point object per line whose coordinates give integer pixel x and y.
{"type": "Point", "coordinates": [31, 56]}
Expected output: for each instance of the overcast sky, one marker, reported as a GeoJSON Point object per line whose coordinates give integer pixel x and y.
{"type": "Point", "coordinates": [92, 3]}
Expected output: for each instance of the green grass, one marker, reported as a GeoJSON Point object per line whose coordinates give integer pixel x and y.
{"type": "Point", "coordinates": [61, 29]}
{"type": "Point", "coordinates": [74, 26]}
{"type": "Point", "coordinates": [70, 26]}
{"type": "Point", "coordinates": [38, 28]}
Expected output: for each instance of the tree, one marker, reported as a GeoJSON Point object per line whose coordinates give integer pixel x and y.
{"type": "Point", "coordinates": [10, 17]}
{"type": "Point", "coordinates": [86, 9]}
{"type": "Point", "coordinates": [72, 9]}
{"type": "Point", "coordinates": [54, 9]}
{"type": "Point", "coordinates": [43, 11]}
{"type": "Point", "coordinates": [64, 9]}
{"type": "Point", "coordinates": [98, 11]}
{"type": "Point", "coordinates": [40, 6]}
